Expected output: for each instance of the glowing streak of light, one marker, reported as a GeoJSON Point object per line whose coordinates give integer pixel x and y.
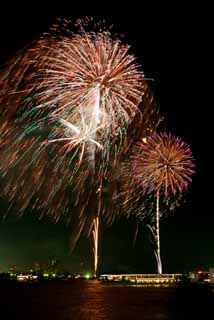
{"type": "Point", "coordinates": [95, 233]}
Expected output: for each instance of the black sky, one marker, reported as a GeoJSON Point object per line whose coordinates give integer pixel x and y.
{"type": "Point", "coordinates": [173, 45]}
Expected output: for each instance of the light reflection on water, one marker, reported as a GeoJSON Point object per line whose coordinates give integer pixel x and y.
{"type": "Point", "coordinates": [93, 300]}
{"type": "Point", "coordinates": [122, 302]}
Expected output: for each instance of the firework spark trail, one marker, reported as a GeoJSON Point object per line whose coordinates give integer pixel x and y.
{"type": "Point", "coordinates": [95, 234]}
{"type": "Point", "coordinates": [162, 163]}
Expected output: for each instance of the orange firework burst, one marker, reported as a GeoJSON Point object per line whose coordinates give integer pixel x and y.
{"type": "Point", "coordinates": [77, 71]}
{"type": "Point", "coordinates": [163, 161]}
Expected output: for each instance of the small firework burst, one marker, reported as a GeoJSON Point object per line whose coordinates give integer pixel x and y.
{"type": "Point", "coordinates": [163, 161]}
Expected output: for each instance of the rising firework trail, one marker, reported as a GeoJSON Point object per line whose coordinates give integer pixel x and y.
{"type": "Point", "coordinates": [162, 163]}
{"type": "Point", "coordinates": [95, 233]}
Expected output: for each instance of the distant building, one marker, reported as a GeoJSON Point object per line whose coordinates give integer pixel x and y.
{"type": "Point", "coordinates": [37, 267]}
{"type": "Point", "coordinates": [202, 276]}
{"type": "Point", "coordinates": [12, 269]}
{"type": "Point", "coordinates": [53, 265]}
{"type": "Point", "coordinates": [211, 275]}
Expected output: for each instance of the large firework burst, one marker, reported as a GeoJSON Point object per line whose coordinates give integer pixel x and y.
{"type": "Point", "coordinates": [73, 92]}
{"type": "Point", "coordinates": [94, 74]}
{"type": "Point", "coordinates": [66, 102]}
{"type": "Point", "coordinates": [162, 163]}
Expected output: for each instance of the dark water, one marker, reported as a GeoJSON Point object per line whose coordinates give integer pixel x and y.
{"type": "Point", "coordinates": [92, 300]}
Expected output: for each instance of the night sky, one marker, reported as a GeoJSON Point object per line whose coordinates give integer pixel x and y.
{"type": "Point", "coordinates": [172, 45]}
